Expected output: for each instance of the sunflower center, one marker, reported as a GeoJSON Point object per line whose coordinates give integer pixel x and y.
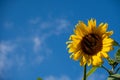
{"type": "Point", "coordinates": [91, 44]}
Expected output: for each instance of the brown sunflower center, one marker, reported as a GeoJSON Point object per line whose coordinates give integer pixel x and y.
{"type": "Point", "coordinates": [91, 44]}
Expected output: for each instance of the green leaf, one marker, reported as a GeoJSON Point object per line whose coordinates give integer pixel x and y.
{"type": "Point", "coordinates": [112, 62]}
{"type": "Point", "coordinates": [114, 77]}
{"type": "Point", "coordinates": [115, 43]}
{"type": "Point", "coordinates": [93, 69]}
{"type": "Point", "coordinates": [117, 56]}
{"type": "Point", "coordinates": [39, 78]}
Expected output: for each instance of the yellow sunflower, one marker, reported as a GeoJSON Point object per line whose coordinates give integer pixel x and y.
{"type": "Point", "coordinates": [90, 43]}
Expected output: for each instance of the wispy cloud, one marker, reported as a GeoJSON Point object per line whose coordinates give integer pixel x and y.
{"type": "Point", "coordinates": [66, 77]}
{"type": "Point", "coordinates": [6, 49]}
{"type": "Point", "coordinates": [19, 61]}
{"type": "Point", "coordinates": [51, 77]}
{"type": "Point", "coordinates": [39, 48]}
{"type": "Point", "coordinates": [62, 26]}
{"type": "Point", "coordinates": [12, 53]}
{"type": "Point", "coordinates": [9, 58]}
{"type": "Point", "coordinates": [34, 21]}
{"type": "Point", "coordinates": [8, 24]}
{"type": "Point", "coordinates": [45, 29]}
{"type": "Point", "coordinates": [37, 43]}
{"type": "Point", "coordinates": [38, 60]}
{"type": "Point", "coordinates": [97, 76]}
{"type": "Point", "coordinates": [54, 26]}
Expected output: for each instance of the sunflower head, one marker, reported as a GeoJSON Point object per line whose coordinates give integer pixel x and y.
{"type": "Point", "coordinates": [90, 43]}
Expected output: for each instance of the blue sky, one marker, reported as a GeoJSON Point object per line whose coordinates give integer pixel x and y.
{"type": "Point", "coordinates": [33, 35]}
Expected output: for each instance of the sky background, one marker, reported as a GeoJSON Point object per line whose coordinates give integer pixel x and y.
{"type": "Point", "coordinates": [33, 34]}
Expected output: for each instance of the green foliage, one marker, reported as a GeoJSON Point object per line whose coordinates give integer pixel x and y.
{"type": "Point", "coordinates": [114, 77]}
{"type": "Point", "coordinates": [115, 43]}
{"type": "Point", "coordinates": [112, 62]}
{"type": "Point", "coordinates": [117, 56]}
{"type": "Point", "coordinates": [39, 78]}
{"type": "Point", "coordinates": [92, 70]}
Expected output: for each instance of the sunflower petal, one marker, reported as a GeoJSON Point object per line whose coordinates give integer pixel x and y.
{"type": "Point", "coordinates": [83, 61]}
{"type": "Point", "coordinates": [89, 43]}
{"type": "Point", "coordinates": [107, 49]}
{"type": "Point", "coordinates": [69, 45]}
{"type": "Point", "coordinates": [102, 28]}
{"type": "Point", "coordinates": [107, 41]}
{"type": "Point", "coordinates": [71, 50]}
{"type": "Point", "coordinates": [105, 55]}
{"type": "Point", "coordinates": [96, 61]}
{"type": "Point", "coordinates": [77, 55]}
{"type": "Point", "coordinates": [75, 37]}
{"type": "Point", "coordinates": [89, 61]}
{"type": "Point", "coordinates": [92, 24]}
{"type": "Point", "coordinates": [109, 33]}
{"type": "Point", "coordinates": [82, 28]}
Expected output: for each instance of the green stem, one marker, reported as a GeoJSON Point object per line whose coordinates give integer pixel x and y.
{"type": "Point", "coordinates": [106, 69]}
{"type": "Point", "coordinates": [112, 69]}
{"type": "Point", "coordinates": [117, 70]}
{"type": "Point", "coordinates": [85, 70]}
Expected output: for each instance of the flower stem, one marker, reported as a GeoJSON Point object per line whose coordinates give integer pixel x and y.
{"type": "Point", "coordinates": [85, 69]}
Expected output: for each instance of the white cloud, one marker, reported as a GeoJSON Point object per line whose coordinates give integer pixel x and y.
{"type": "Point", "coordinates": [37, 43]}
{"type": "Point", "coordinates": [56, 26]}
{"type": "Point", "coordinates": [34, 21]}
{"type": "Point", "coordinates": [51, 27]}
{"type": "Point", "coordinates": [94, 76]}
{"type": "Point", "coordinates": [51, 77]}
{"type": "Point", "coordinates": [8, 24]}
{"type": "Point", "coordinates": [9, 58]}
{"type": "Point", "coordinates": [38, 59]}
{"type": "Point", "coordinates": [45, 29]}
{"type": "Point", "coordinates": [5, 50]}
{"type": "Point", "coordinates": [40, 44]}
{"type": "Point", "coordinates": [97, 76]}
{"type": "Point", "coordinates": [65, 77]}
{"type": "Point", "coordinates": [39, 48]}
{"type": "Point", "coordinates": [19, 61]}
{"type": "Point", "coordinates": [45, 25]}
{"type": "Point", "coordinates": [61, 26]}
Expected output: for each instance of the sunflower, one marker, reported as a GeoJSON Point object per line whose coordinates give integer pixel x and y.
{"type": "Point", "coordinates": [90, 43]}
